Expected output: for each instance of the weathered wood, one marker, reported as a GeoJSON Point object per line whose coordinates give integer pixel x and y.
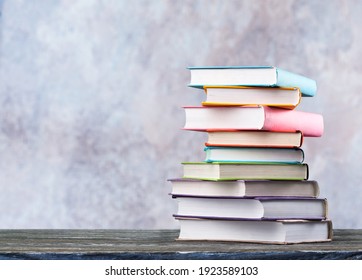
{"type": "Point", "coordinates": [161, 244]}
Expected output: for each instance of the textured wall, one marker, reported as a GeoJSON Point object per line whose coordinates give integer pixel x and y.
{"type": "Point", "coordinates": [91, 95]}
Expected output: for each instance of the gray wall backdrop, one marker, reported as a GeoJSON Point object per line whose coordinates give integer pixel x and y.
{"type": "Point", "coordinates": [91, 95]}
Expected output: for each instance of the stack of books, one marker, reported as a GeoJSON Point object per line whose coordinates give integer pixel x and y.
{"type": "Point", "coordinates": [253, 185]}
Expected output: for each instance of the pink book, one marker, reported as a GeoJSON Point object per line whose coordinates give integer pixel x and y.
{"type": "Point", "coordinates": [253, 118]}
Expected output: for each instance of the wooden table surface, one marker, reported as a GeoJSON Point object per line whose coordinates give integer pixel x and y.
{"type": "Point", "coordinates": [161, 244]}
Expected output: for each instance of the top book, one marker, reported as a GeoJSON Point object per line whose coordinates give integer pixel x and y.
{"type": "Point", "coordinates": [261, 76]}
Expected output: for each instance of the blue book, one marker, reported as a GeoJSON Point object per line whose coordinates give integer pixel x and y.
{"type": "Point", "coordinates": [254, 155]}
{"type": "Point", "coordinates": [261, 76]}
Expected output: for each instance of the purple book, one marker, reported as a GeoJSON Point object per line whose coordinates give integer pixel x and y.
{"type": "Point", "coordinates": [265, 208]}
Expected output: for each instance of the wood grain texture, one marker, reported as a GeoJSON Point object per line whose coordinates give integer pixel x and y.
{"type": "Point", "coordinates": [161, 244]}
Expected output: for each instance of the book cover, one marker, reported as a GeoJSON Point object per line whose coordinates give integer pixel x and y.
{"type": "Point", "coordinates": [255, 231]}
{"type": "Point", "coordinates": [244, 171]}
{"type": "Point", "coordinates": [287, 98]}
{"type": "Point", "coordinates": [269, 208]}
{"type": "Point", "coordinates": [253, 118]}
{"type": "Point", "coordinates": [244, 188]}
{"type": "Point", "coordinates": [256, 138]}
{"type": "Point", "coordinates": [254, 155]}
{"type": "Point", "coordinates": [263, 76]}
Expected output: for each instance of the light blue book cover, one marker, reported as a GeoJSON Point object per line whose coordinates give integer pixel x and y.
{"type": "Point", "coordinates": [262, 76]}
{"type": "Point", "coordinates": [307, 86]}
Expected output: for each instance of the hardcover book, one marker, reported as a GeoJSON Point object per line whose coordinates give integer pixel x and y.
{"type": "Point", "coordinates": [244, 188]}
{"type": "Point", "coordinates": [262, 76]}
{"type": "Point", "coordinates": [253, 118]}
{"type": "Point", "coordinates": [254, 155]}
{"type": "Point", "coordinates": [254, 138]}
{"type": "Point", "coordinates": [288, 98]}
{"type": "Point", "coordinates": [243, 171]}
{"type": "Point", "coordinates": [255, 231]}
{"type": "Point", "coordinates": [265, 208]}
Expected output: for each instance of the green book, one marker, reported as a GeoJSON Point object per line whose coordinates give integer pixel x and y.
{"type": "Point", "coordinates": [216, 171]}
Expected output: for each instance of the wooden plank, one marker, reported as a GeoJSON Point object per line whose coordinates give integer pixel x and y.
{"type": "Point", "coordinates": [161, 244]}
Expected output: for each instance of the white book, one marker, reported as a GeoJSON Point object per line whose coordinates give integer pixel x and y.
{"type": "Point", "coordinates": [274, 232]}
{"type": "Point", "coordinates": [276, 208]}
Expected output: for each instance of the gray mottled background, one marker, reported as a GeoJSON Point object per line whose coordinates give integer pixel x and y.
{"type": "Point", "coordinates": [91, 95]}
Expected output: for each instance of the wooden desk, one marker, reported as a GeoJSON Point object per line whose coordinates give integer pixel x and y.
{"type": "Point", "coordinates": [161, 244]}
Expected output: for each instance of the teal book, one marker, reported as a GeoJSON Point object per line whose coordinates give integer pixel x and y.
{"type": "Point", "coordinates": [254, 155]}
{"type": "Point", "coordinates": [261, 76]}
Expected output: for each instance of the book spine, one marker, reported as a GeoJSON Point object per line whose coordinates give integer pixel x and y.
{"type": "Point", "coordinates": [316, 188]}
{"type": "Point", "coordinates": [326, 208]}
{"type": "Point", "coordinates": [310, 124]}
{"type": "Point", "coordinates": [307, 86]}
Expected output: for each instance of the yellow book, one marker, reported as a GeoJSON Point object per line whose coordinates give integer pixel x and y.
{"type": "Point", "coordinates": [288, 98]}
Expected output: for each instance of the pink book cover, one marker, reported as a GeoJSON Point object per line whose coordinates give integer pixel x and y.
{"type": "Point", "coordinates": [310, 124]}
{"type": "Point", "coordinates": [274, 119]}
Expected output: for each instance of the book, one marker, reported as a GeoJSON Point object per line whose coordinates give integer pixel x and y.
{"type": "Point", "coordinates": [244, 188]}
{"type": "Point", "coordinates": [254, 155]}
{"type": "Point", "coordinates": [256, 138]}
{"type": "Point", "coordinates": [268, 208]}
{"type": "Point", "coordinates": [255, 231]}
{"type": "Point", "coordinates": [262, 76]}
{"type": "Point", "coordinates": [242, 171]}
{"type": "Point", "coordinates": [288, 98]}
{"type": "Point", "coordinates": [253, 118]}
